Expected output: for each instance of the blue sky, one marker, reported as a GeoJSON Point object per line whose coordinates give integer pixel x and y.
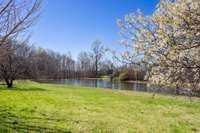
{"type": "Point", "coordinates": [72, 25]}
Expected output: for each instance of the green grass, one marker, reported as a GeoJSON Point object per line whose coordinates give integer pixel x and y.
{"type": "Point", "coordinates": [105, 77]}
{"type": "Point", "coordinates": [35, 107]}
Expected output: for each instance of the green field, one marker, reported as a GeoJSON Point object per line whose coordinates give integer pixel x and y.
{"type": "Point", "coordinates": [36, 107]}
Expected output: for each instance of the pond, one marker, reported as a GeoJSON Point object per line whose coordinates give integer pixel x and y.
{"type": "Point", "coordinates": [98, 83]}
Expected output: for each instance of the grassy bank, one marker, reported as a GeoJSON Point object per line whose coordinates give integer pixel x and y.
{"type": "Point", "coordinates": [39, 107]}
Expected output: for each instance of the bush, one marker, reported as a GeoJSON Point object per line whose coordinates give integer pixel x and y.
{"type": "Point", "coordinates": [124, 76]}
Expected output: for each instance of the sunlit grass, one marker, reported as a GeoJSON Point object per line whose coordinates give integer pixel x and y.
{"type": "Point", "coordinates": [39, 107]}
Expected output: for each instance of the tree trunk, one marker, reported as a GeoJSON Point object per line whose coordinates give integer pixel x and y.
{"type": "Point", "coordinates": [96, 67]}
{"type": "Point", "coordinates": [9, 83]}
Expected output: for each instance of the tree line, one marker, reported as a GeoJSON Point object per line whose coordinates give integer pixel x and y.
{"type": "Point", "coordinates": [29, 62]}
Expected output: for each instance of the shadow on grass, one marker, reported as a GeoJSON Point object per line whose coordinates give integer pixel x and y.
{"type": "Point", "coordinates": [9, 122]}
{"type": "Point", "coordinates": [28, 89]}
{"type": "Point", "coordinates": [22, 89]}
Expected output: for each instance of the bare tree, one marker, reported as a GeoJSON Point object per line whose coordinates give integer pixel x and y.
{"type": "Point", "coordinates": [15, 64]}
{"type": "Point", "coordinates": [106, 67]}
{"type": "Point", "coordinates": [97, 54]}
{"type": "Point", "coordinates": [16, 17]}
{"type": "Point", "coordinates": [85, 65]}
{"type": "Point", "coordinates": [67, 66]}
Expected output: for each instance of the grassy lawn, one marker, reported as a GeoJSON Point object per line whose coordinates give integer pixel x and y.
{"type": "Point", "coordinates": [39, 107]}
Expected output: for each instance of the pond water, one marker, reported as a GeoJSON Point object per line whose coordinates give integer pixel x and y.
{"type": "Point", "coordinates": [116, 85]}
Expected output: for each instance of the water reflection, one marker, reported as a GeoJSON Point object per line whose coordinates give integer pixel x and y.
{"type": "Point", "coordinates": [102, 84]}
{"type": "Point", "coordinates": [117, 85]}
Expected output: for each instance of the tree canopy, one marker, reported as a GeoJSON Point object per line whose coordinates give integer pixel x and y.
{"type": "Point", "coordinates": [168, 42]}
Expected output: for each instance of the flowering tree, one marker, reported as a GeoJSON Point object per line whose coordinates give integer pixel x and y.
{"type": "Point", "coordinates": [168, 42]}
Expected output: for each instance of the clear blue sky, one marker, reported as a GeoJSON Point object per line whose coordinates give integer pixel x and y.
{"type": "Point", "coordinates": [72, 25]}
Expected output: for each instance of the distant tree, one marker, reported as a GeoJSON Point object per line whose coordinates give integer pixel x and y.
{"type": "Point", "coordinates": [106, 67]}
{"type": "Point", "coordinates": [47, 64]}
{"type": "Point", "coordinates": [97, 54]}
{"type": "Point", "coordinates": [67, 66]}
{"type": "Point", "coordinates": [85, 64]}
